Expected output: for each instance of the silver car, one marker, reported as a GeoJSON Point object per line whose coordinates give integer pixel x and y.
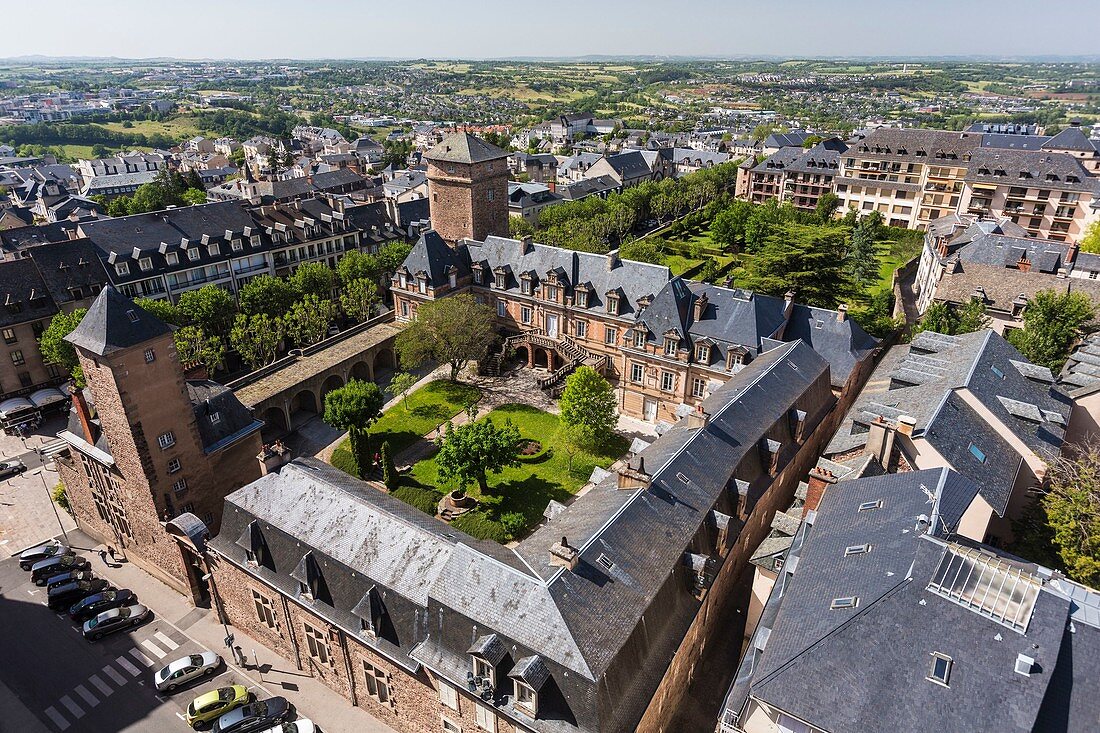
{"type": "Point", "coordinates": [185, 670]}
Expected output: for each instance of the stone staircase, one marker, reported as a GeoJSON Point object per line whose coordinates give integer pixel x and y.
{"type": "Point", "coordinates": [572, 354]}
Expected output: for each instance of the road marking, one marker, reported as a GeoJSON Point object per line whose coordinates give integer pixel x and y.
{"type": "Point", "coordinates": [148, 644]}
{"type": "Point", "coordinates": [101, 685]}
{"type": "Point", "coordinates": [76, 710]}
{"type": "Point", "coordinates": [59, 719]}
{"type": "Point", "coordinates": [180, 716]}
{"type": "Point", "coordinates": [137, 654]}
{"type": "Point", "coordinates": [115, 676]}
{"type": "Point", "coordinates": [126, 665]}
{"type": "Point", "coordinates": [163, 638]}
{"type": "Point", "coordinates": [89, 698]}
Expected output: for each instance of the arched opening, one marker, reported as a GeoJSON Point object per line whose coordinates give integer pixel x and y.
{"type": "Point", "coordinates": [541, 359]}
{"type": "Point", "coordinates": [361, 371]}
{"type": "Point", "coordinates": [333, 381]}
{"type": "Point", "coordinates": [384, 359]}
{"type": "Point", "coordinates": [523, 355]}
{"type": "Point", "coordinates": [304, 401]}
{"type": "Point", "coordinates": [274, 423]}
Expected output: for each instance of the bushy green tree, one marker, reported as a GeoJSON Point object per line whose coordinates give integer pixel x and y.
{"type": "Point", "coordinates": [268, 295]}
{"type": "Point", "coordinates": [163, 310]}
{"type": "Point", "coordinates": [642, 250]}
{"type": "Point", "coordinates": [256, 338]}
{"type": "Point", "coordinates": [56, 350]}
{"type": "Point", "coordinates": [1052, 324]}
{"type": "Point", "coordinates": [455, 330]}
{"type": "Point", "coordinates": [354, 407]}
{"type": "Point", "coordinates": [862, 257]}
{"type": "Point", "coordinates": [728, 227]}
{"type": "Point", "coordinates": [357, 298]}
{"type": "Point", "coordinates": [809, 260]}
{"type": "Point", "coordinates": [827, 205]}
{"type": "Point", "coordinates": [401, 383]}
{"type": "Point", "coordinates": [468, 453]}
{"type": "Point", "coordinates": [194, 346]}
{"type": "Point", "coordinates": [390, 477]}
{"type": "Point", "coordinates": [589, 400]}
{"type": "Point", "coordinates": [308, 320]}
{"type": "Point", "coordinates": [1090, 240]}
{"type": "Point", "coordinates": [312, 278]}
{"type": "Point", "coordinates": [212, 308]}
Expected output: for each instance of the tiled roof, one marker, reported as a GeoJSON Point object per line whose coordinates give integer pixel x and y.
{"type": "Point", "coordinates": [114, 322]}
{"type": "Point", "coordinates": [462, 147]}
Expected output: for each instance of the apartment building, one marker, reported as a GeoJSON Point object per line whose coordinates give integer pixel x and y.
{"type": "Point", "coordinates": [796, 175]}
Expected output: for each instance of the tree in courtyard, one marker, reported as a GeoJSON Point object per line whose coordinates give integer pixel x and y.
{"type": "Point", "coordinates": [1052, 324]}
{"type": "Point", "coordinates": [400, 384]}
{"type": "Point", "coordinates": [762, 223]}
{"type": "Point", "coordinates": [56, 350]}
{"type": "Point", "coordinates": [211, 308]}
{"type": "Point", "coordinates": [468, 453]}
{"type": "Point", "coordinates": [268, 295]}
{"type": "Point", "coordinates": [256, 338]}
{"type": "Point", "coordinates": [357, 298]}
{"type": "Point", "coordinates": [390, 477]}
{"type": "Point", "coordinates": [589, 400]}
{"type": "Point", "coordinates": [193, 196]}
{"type": "Point", "coordinates": [356, 265]}
{"type": "Point", "coordinates": [390, 258]}
{"type": "Point", "coordinates": [970, 317]}
{"type": "Point", "coordinates": [308, 320]}
{"type": "Point", "coordinates": [807, 259]}
{"type": "Point", "coordinates": [1062, 526]}
{"type": "Point", "coordinates": [354, 407]}
{"type": "Point", "coordinates": [194, 346]}
{"type": "Point", "coordinates": [827, 206]}
{"type": "Point", "coordinates": [312, 278]}
{"type": "Point", "coordinates": [643, 250]}
{"type": "Point", "coordinates": [163, 310]}
{"type": "Point", "coordinates": [862, 257]}
{"type": "Point", "coordinates": [946, 319]}
{"type": "Point", "coordinates": [728, 227]}
{"type": "Point", "coordinates": [454, 330]}
{"type": "Point", "coordinates": [518, 227]}
{"type": "Point", "coordinates": [1090, 240]}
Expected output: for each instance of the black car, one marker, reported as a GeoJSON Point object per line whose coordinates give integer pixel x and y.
{"type": "Point", "coordinates": [256, 716]}
{"type": "Point", "coordinates": [43, 552]}
{"type": "Point", "coordinates": [68, 577]}
{"type": "Point", "coordinates": [45, 569]}
{"type": "Point", "coordinates": [97, 603]}
{"type": "Point", "coordinates": [63, 596]}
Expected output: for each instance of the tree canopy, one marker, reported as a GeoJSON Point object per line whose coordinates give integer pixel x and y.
{"type": "Point", "coordinates": [256, 338]}
{"type": "Point", "coordinates": [267, 294]}
{"type": "Point", "coordinates": [589, 400]}
{"type": "Point", "coordinates": [308, 320]}
{"type": "Point", "coordinates": [357, 298]}
{"type": "Point", "coordinates": [312, 278]}
{"type": "Point", "coordinates": [211, 308]}
{"type": "Point", "coordinates": [810, 260]}
{"type": "Point", "coordinates": [454, 330]}
{"type": "Point", "coordinates": [55, 349]}
{"type": "Point", "coordinates": [354, 407]}
{"type": "Point", "coordinates": [1052, 324]}
{"type": "Point", "coordinates": [468, 453]}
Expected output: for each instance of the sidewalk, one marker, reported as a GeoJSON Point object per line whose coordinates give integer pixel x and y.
{"type": "Point", "coordinates": [264, 668]}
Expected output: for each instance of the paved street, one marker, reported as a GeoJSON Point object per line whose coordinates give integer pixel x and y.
{"type": "Point", "coordinates": [26, 511]}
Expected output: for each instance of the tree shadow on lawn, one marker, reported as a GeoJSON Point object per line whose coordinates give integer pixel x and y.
{"type": "Point", "coordinates": [399, 440]}
{"type": "Point", "coordinates": [435, 412]}
{"type": "Point", "coordinates": [528, 496]}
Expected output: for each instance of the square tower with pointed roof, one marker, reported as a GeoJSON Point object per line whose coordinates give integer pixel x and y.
{"type": "Point", "coordinates": [467, 188]}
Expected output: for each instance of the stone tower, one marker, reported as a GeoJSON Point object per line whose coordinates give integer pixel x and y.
{"type": "Point", "coordinates": [148, 447]}
{"type": "Point", "coordinates": [467, 188]}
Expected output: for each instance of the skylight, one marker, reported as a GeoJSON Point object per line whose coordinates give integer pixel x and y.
{"type": "Point", "coordinates": [993, 368]}
{"type": "Point", "coordinates": [844, 602]}
{"type": "Point", "coordinates": [870, 505]}
{"type": "Point", "coordinates": [941, 669]}
{"type": "Point", "coordinates": [977, 453]}
{"type": "Point", "coordinates": [605, 561]}
{"type": "Point", "coordinates": [856, 549]}
{"type": "Point", "coordinates": [986, 585]}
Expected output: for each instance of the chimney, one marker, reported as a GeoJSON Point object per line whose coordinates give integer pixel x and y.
{"type": "Point", "coordinates": [842, 313]}
{"type": "Point", "coordinates": [698, 418]}
{"type": "Point", "coordinates": [525, 245]}
{"type": "Point", "coordinates": [82, 412]}
{"type": "Point", "coordinates": [817, 481]}
{"type": "Point", "coordinates": [1024, 265]}
{"type": "Point", "coordinates": [788, 300]}
{"type": "Point", "coordinates": [631, 478]}
{"type": "Point", "coordinates": [612, 260]}
{"type": "Point", "coordinates": [700, 307]}
{"type": "Point", "coordinates": [906, 424]}
{"type": "Point", "coordinates": [564, 556]}
{"type": "Point", "coordinates": [880, 441]}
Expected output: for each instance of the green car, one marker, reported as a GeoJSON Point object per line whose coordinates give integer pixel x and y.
{"type": "Point", "coordinates": [209, 706]}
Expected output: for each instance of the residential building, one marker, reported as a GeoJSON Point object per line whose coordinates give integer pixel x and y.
{"type": "Point", "coordinates": [628, 168]}
{"type": "Point", "coordinates": [526, 200]}
{"type": "Point", "coordinates": [539, 168]}
{"type": "Point", "coordinates": [690, 160]}
{"type": "Point", "coordinates": [133, 162]}
{"type": "Point", "coordinates": [796, 175]}
{"type": "Point", "coordinates": [778, 140]}
{"type": "Point", "coordinates": [468, 185]}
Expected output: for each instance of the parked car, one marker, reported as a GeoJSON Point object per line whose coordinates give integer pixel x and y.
{"type": "Point", "coordinates": [114, 620]}
{"type": "Point", "coordinates": [66, 594]}
{"type": "Point", "coordinates": [43, 552]}
{"type": "Point", "coordinates": [206, 708]}
{"type": "Point", "coordinates": [43, 570]}
{"type": "Point", "coordinates": [185, 670]}
{"type": "Point", "coordinates": [11, 468]}
{"type": "Point", "coordinates": [93, 605]}
{"type": "Point", "coordinates": [253, 717]}
{"type": "Point", "coordinates": [69, 577]}
{"type": "Point", "coordinates": [301, 725]}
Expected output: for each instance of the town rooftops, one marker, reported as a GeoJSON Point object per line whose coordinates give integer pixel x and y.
{"type": "Point", "coordinates": [113, 323]}
{"type": "Point", "coordinates": [1029, 169]}
{"type": "Point", "coordinates": [1071, 138]}
{"type": "Point", "coordinates": [462, 147]}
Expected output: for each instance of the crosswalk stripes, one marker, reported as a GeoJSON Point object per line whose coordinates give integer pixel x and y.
{"type": "Point", "coordinates": [72, 707]}
{"type": "Point", "coordinates": [154, 649]}
{"type": "Point", "coordinates": [89, 698]}
{"type": "Point", "coordinates": [126, 665]}
{"type": "Point", "coordinates": [167, 641]}
{"type": "Point", "coordinates": [115, 676]}
{"type": "Point", "coordinates": [58, 719]}
{"type": "Point", "coordinates": [138, 655]}
{"type": "Point", "coordinates": [100, 685]}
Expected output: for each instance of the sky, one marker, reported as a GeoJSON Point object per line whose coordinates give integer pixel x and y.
{"type": "Point", "coordinates": [470, 29]}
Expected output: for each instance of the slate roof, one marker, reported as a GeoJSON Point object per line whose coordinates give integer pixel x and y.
{"type": "Point", "coordinates": [433, 256]}
{"type": "Point", "coordinates": [1082, 369]}
{"type": "Point", "coordinates": [23, 293]}
{"type": "Point", "coordinates": [898, 144]}
{"type": "Point", "coordinates": [220, 416]}
{"type": "Point", "coordinates": [780, 160]}
{"type": "Point", "coordinates": [1035, 169]}
{"type": "Point", "coordinates": [998, 287]}
{"type": "Point", "coordinates": [462, 147]}
{"type": "Point", "coordinates": [114, 322]}
{"type": "Point", "coordinates": [24, 237]}
{"type": "Point", "coordinates": [1003, 251]}
{"type": "Point", "coordinates": [792, 139]}
{"type": "Point", "coordinates": [805, 656]}
{"type": "Point", "coordinates": [1071, 138]}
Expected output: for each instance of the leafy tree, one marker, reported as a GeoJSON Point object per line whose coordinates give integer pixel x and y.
{"type": "Point", "coordinates": [575, 439]}
{"type": "Point", "coordinates": [354, 407]}
{"type": "Point", "coordinates": [877, 317]}
{"type": "Point", "coordinates": [194, 346]}
{"type": "Point", "coordinates": [356, 265]}
{"type": "Point", "coordinates": [709, 273]}
{"type": "Point", "coordinates": [357, 299]}
{"type": "Point", "coordinates": [256, 338]}
{"type": "Point", "coordinates": [827, 206]}
{"type": "Point", "coordinates": [518, 227]}
{"type": "Point", "coordinates": [268, 295]}
{"type": "Point", "coordinates": [401, 383]}
{"type": "Point", "coordinates": [390, 477]}
{"type": "Point", "coordinates": [194, 196]}
{"type": "Point", "coordinates": [1052, 324]}
{"type": "Point", "coordinates": [862, 257]}
{"type": "Point", "coordinates": [455, 330]}
{"type": "Point", "coordinates": [807, 259]}
{"type": "Point", "coordinates": [761, 224]}
{"type": "Point", "coordinates": [210, 307]}
{"type": "Point", "coordinates": [970, 317]}
{"type": "Point", "coordinates": [1090, 240]}
{"type": "Point", "coordinates": [312, 278]}
{"type": "Point", "coordinates": [642, 250]}
{"type": "Point", "coordinates": [163, 310]}
{"type": "Point", "coordinates": [56, 350]}
{"type": "Point", "coordinates": [513, 523]}
{"type": "Point", "coordinates": [468, 453]}
{"type": "Point", "coordinates": [390, 258]}
{"type": "Point", "coordinates": [308, 320]}
{"type": "Point", "coordinates": [589, 400]}
{"type": "Point", "coordinates": [728, 227]}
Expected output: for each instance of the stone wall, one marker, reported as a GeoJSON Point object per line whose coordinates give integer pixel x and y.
{"type": "Point", "coordinates": [468, 201]}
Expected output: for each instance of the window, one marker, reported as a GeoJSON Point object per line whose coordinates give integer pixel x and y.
{"type": "Point", "coordinates": [639, 338]}
{"type": "Point", "coordinates": [9, 336]}
{"type": "Point", "coordinates": [17, 358]}
{"type": "Point", "coordinates": [193, 254]}
{"type": "Point", "coordinates": [671, 345]}
{"type": "Point", "coordinates": [525, 315]}
{"type": "Point", "coordinates": [145, 264]}
{"type": "Point", "coordinates": [610, 335]}
{"type": "Point", "coordinates": [845, 602]}
{"type": "Point", "coordinates": [255, 239]}
{"type": "Point", "coordinates": [940, 673]}
{"type": "Point", "coordinates": [172, 258]}
{"type": "Point", "coordinates": [377, 686]}
{"type": "Point", "coordinates": [856, 549]}
{"type": "Point", "coordinates": [490, 193]}
{"type": "Point", "coordinates": [265, 610]}
{"type": "Point", "coordinates": [180, 486]}
{"type": "Point", "coordinates": [993, 368]}
{"type": "Point", "coordinates": [525, 287]}
{"type": "Point", "coordinates": [150, 356]}
{"type": "Point", "coordinates": [173, 465]}
{"type": "Point", "coordinates": [499, 280]}
{"type": "Point", "coordinates": [552, 292]}
{"type": "Point", "coordinates": [422, 285]}
{"type": "Point", "coordinates": [486, 718]}
{"type": "Point", "coordinates": [580, 328]}
{"type": "Point", "coordinates": [637, 371]}
{"type": "Point", "coordinates": [698, 387]}
{"type": "Point", "coordinates": [667, 380]}
{"type": "Point", "coordinates": [166, 440]}
{"type": "Point", "coordinates": [449, 726]}
{"type": "Point", "coordinates": [613, 304]}
{"type": "Point", "coordinates": [477, 277]}
{"type": "Point", "coordinates": [122, 268]}
{"type": "Point", "coordinates": [448, 695]}
{"type": "Point", "coordinates": [502, 308]}
{"type": "Point", "coordinates": [484, 670]}
{"type": "Point", "coordinates": [870, 505]}
{"type": "Point", "coordinates": [581, 296]}
{"type": "Point", "coordinates": [977, 453]}
{"type": "Point", "coordinates": [702, 354]}
{"type": "Point", "coordinates": [525, 696]}
{"type": "Point", "coordinates": [236, 245]}
{"type": "Point", "coordinates": [215, 418]}
{"type": "Point", "coordinates": [317, 644]}
{"type": "Point", "coordinates": [214, 250]}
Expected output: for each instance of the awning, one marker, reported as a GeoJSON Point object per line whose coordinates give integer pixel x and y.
{"type": "Point", "coordinates": [984, 186]}
{"type": "Point", "coordinates": [46, 397]}
{"type": "Point", "coordinates": [14, 405]}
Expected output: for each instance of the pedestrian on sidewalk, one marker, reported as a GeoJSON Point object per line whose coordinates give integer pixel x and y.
{"type": "Point", "coordinates": [111, 552]}
{"type": "Point", "coordinates": [103, 557]}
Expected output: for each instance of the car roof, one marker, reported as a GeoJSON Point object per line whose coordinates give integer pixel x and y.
{"type": "Point", "coordinates": [206, 698]}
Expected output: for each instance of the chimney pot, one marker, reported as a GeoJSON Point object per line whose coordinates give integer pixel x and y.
{"type": "Point", "coordinates": [906, 424]}
{"type": "Point", "coordinates": [817, 481]}
{"type": "Point", "coordinates": [564, 556]}
{"type": "Point", "coordinates": [82, 412]}
{"type": "Point", "coordinates": [841, 312]}
{"type": "Point", "coordinates": [698, 418]}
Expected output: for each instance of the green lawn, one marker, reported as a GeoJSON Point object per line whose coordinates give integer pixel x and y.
{"type": "Point", "coordinates": [428, 407]}
{"type": "Point", "coordinates": [525, 489]}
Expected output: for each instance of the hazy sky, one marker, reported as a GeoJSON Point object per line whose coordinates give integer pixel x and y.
{"type": "Point", "coordinates": [478, 29]}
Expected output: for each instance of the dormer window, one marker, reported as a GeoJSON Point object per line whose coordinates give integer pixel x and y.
{"type": "Point", "coordinates": [172, 258]}
{"type": "Point", "coordinates": [639, 338]}
{"type": "Point", "coordinates": [581, 297]}
{"type": "Point", "coordinates": [193, 254]}
{"type": "Point", "coordinates": [452, 279]}
{"type": "Point", "coordinates": [552, 292]}
{"type": "Point", "coordinates": [484, 670]}
{"type": "Point", "coordinates": [613, 303]}
{"type": "Point", "coordinates": [499, 281]}
{"type": "Point", "coordinates": [422, 284]}
{"type": "Point", "coordinates": [702, 354]}
{"type": "Point", "coordinates": [122, 268]}
{"type": "Point", "coordinates": [525, 286]}
{"type": "Point", "coordinates": [236, 245]}
{"type": "Point", "coordinates": [526, 697]}
{"type": "Point", "coordinates": [671, 345]}
{"type": "Point", "coordinates": [477, 276]}
{"type": "Point", "coordinates": [255, 240]}
{"type": "Point", "coordinates": [214, 250]}
{"type": "Point", "coordinates": [145, 264]}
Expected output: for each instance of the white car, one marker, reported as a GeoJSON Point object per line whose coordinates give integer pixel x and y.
{"type": "Point", "coordinates": [185, 670]}
{"type": "Point", "coordinates": [301, 725]}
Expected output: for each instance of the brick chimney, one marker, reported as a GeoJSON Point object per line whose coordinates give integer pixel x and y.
{"type": "Point", "coordinates": [525, 245]}
{"type": "Point", "coordinates": [564, 556]}
{"type": "Point", "coordinates": [82, 412]}
{"type": "Point", "coordinates": [880, 440]}
{"type": "Point", "coordinates": [631, 478]}
{"type": "Point", "coordinates": [1024, 265]}
{"type": "Point", "coordinates": [842, 313]}
{"type": "Point", "coordinates": [700, 307]}
{"type": "Point", "coordinates": [906, 424]}
{"type": "Point", "coordinates": [612, 260]}
{"type": "Point", "coordinates": [698, 418]}
{"type": "Point", "coordinates": [817, 481]}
